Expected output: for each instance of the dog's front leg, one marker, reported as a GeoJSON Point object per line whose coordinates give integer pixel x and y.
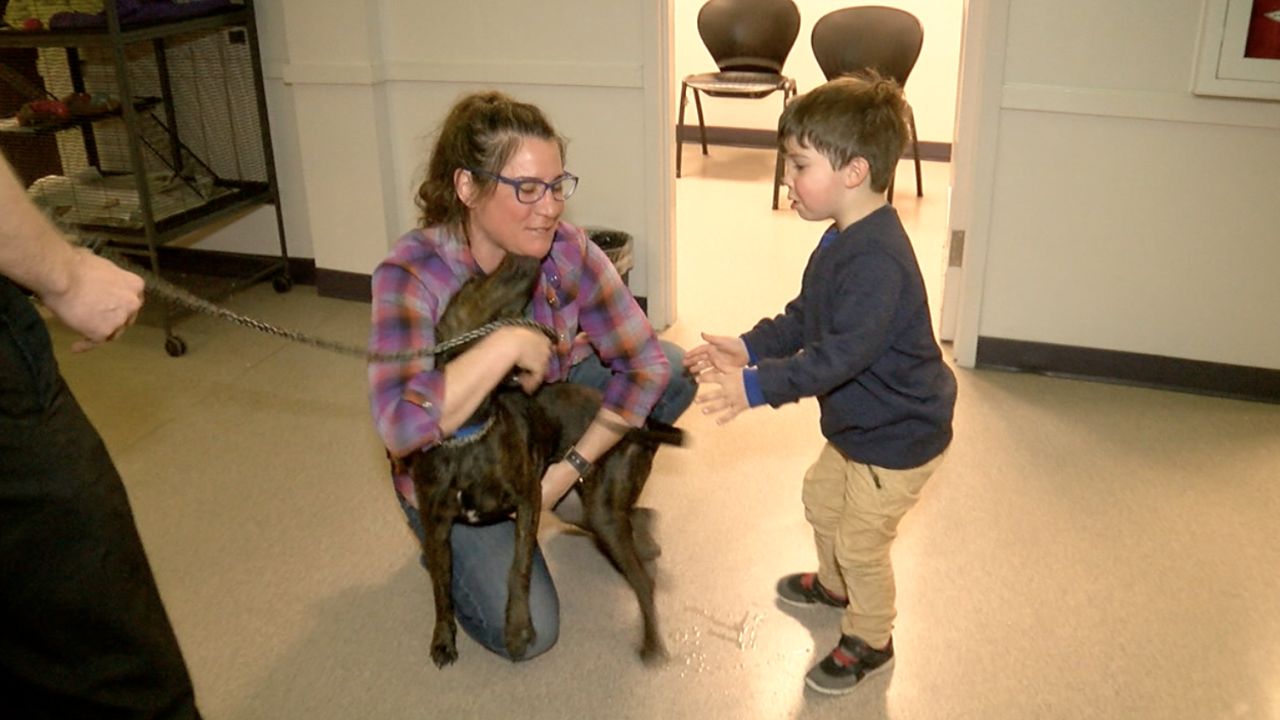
{"type": "Point", "coordinates": [438, 557]}
{"type": "Point", "coordinates": [519, 632]}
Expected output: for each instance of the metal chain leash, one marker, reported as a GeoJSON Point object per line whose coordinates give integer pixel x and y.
{"type": "Point", "coordinates": [187, 299]}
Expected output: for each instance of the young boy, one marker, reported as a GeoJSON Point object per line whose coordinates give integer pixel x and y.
{"type": "Point", "coordinates": [860, 340]}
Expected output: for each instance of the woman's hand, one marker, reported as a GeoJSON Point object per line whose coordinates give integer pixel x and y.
{"type": "Point", "coordinates": [533, 355]}
{"type": "Point", "coordinates": [557, 482]}
{"type": "Point", "coordinates": [720, 352]}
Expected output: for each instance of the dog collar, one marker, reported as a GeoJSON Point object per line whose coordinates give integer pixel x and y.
{"type": "Point", "coordinates": [468, 434]}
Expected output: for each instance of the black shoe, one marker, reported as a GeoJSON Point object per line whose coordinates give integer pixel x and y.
{"type": "Point", "coordinates": [849, 664]}
{"type": "Point", "coordinates": [803, 589]}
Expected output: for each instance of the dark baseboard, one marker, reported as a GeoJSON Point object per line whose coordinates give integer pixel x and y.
{"type": "Point", "coordinates": [343, 285]}
{"type": "Point", "coordinates": [1154, 371]}
{"type": "Point", "coordinates": [768, 140]}
{"type": "Point", "coordinates": [216, 263]}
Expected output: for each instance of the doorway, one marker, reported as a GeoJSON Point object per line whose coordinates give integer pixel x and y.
{"type": "Point", "coordinates": [928, 219]}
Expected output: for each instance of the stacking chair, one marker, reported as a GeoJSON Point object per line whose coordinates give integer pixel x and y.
{"type": "Point", "coordinates": [749, 41]}
{"type": "Point", "coordinates": [885, 39]}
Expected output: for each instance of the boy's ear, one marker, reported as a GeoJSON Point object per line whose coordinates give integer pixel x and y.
{"type": "Point", "coordinates": [856, 172]}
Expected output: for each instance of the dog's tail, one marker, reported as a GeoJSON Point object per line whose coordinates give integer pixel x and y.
{"type": "Point", "coordinates": [658, 433]}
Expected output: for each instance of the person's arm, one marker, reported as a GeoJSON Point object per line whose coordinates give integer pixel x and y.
{"type": "Point", "coordinates": [415, 404]}
{"type": "Point", "coordinates": [862, 306]}
{"type": "Point", "coordinates": [87, 293]}
{"type": "Point", "coordinates": [621, 335]}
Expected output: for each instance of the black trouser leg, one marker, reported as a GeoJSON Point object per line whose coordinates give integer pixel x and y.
{"type": "Point", "coordinates": [83, 633]}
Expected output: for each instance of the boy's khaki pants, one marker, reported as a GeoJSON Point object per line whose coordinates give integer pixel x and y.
{"type": "Point", "coordinates": [854, 509]}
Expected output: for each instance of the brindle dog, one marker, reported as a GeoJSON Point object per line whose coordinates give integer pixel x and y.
{"type": "Point", "coordinates": [496, 470]}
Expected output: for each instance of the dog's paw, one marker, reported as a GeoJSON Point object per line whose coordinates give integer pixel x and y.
{"type": "Point", "coordinates": [443, 653]}
{"type": "Point", "coordinates": [654, 654]}
{"type": "Point", "coordinates": [444, 646]}
{"type": "Point", "coordinates": [519, 638]}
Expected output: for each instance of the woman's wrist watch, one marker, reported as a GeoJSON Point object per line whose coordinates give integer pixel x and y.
{"type": "Point", "coordinates": [579, 463]}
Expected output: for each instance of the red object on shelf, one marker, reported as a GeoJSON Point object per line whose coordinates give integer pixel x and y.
{"type": "Point", "coordinates": [32, 24]}
{"type": "Point", "coordinates": [43, 112]}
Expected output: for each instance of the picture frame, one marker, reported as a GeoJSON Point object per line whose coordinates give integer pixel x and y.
{"type": "Point", "coordinates": [1239, 54]}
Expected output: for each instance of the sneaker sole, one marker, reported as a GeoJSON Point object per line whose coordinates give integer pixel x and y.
{"type": "Point", "coordinates": [809, 603]}
{"type": "Point", "coordinates": [845, 691]}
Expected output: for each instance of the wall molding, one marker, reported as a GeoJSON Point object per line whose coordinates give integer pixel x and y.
{"type": "Point", "coordinates": [1152, 371]}
{"type": "Point", "coordinates": [606, 75]}
{"type": "Point", "coordinates": [1129, 104]}
{"type": "Point", "coordinates": [768, 140]}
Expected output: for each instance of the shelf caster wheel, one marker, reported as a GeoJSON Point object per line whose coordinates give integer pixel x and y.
{"type": "Point", "coordinates": [282, 284]}
{"type": "Point", "coordinates": [175, 346]}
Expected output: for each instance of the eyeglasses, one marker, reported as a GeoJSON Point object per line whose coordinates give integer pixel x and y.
{"type": "Point", "coordinates": [530, 190]}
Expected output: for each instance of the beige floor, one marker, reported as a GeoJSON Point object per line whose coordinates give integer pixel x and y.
{"type": "Point", "coordinates": [1087, 550]}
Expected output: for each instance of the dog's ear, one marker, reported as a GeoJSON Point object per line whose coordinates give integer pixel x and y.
{"type": "Point", "coordinates": [503, 293]}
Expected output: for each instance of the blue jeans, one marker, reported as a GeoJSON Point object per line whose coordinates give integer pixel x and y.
{"type": "Point", "coordinates": [482, 554]}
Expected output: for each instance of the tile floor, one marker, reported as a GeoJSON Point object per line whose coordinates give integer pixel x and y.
{"type": "Point", "coordinates": [1086, 551]}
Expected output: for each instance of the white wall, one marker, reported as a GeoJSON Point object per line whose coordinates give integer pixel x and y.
{"type": "Point", "coordinates": [931, 88]}
{"type": "Point", "coordinates": [365, 83]}
{"type": "Point", "coordinates": [1124, 212]}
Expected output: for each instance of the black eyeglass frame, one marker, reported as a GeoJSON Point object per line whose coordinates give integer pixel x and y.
{"type": "Point", "coordinates": [515, 183]}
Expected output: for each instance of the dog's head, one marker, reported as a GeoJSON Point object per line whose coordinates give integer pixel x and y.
{"type": "Point", "coordinates": [503, 293]}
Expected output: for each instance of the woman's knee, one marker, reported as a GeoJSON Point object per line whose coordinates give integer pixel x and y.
{"type": "Point", "coordinates": [679, 393]}
{"type": "Point", "coordinates": [482, 561]}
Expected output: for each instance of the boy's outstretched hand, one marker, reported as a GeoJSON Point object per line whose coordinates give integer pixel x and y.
{"type": "Point", "coordinates": [727, 398]}
{"type": "Point", "coordinates": [719, 352]}
{"type": "Point", "coordinates": [719, 363]}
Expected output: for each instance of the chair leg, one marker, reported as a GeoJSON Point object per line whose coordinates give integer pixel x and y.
{"type": "Point", "coordinates": [915, 149]}
{"type": "Point", "coordinates": [702, 127]}
{"type": "Point", "coordinates": [787, 92]}
{"type": "Point", "coordinates": [680, 127]}
{"type": "Point", "coordinates": [777, 179]}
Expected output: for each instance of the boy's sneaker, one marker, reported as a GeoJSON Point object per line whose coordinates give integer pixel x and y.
{"type": "Point", "coordinates": [803, 589]}
{"type": "Point", "coordinates": [851, 662]}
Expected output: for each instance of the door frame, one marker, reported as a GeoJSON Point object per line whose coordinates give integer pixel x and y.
{"type": "Point", "coordinates": [983, 49]}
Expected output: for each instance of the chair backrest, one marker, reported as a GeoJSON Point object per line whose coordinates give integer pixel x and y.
{"type": "Point", "coordinates": [856, 38]}
{"type": "Point", "coordinates": [749, 35]}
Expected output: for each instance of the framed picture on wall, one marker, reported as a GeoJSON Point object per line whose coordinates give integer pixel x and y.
{"type": "Point", "coordinates": [1239, 49]}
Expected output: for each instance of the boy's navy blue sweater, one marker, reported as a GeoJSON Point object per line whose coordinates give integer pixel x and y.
{"type": "Point", "coordinates": [859, 338]}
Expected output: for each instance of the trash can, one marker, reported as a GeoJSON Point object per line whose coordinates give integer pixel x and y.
{"type": "Point", "coordinates": [618, 245]}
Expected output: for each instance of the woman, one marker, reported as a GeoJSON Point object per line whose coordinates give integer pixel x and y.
{"type": "Point", "coordinates": [496, 184]}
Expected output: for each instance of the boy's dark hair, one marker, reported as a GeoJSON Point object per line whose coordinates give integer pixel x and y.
{"type": "Point", "coordinates": [481, 132]}
{"type": "Point", "coordinates": [854, 116]}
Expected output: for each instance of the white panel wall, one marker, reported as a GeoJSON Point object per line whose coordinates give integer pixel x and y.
{"type": "Point", "coordinates": [371, 80]}
{"type": "Point", "coordinates": [931, 88]}
{"type": "Point", "coordinates": [1126, 213]}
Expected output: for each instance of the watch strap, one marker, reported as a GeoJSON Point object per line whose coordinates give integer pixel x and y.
{"type": "Point", "coordinates": [579, 463]}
